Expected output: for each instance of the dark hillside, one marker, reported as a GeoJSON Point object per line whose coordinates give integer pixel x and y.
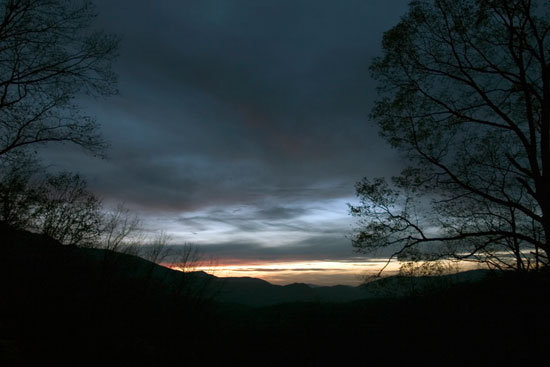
{"type": "Point", "coordinates": [67, 305]}
{"type": "Point", "coordinates": [495, 322]}
{"type": "Point", "coordinates": [98, 304]}
{"type": "Point", "coordinates": [258, 293]}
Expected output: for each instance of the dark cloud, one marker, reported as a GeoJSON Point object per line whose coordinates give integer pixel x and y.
{"type": "Point", "coordinates": [315, 248]}
{"type": "Point", "coordinates": [231, 101]}
{"type": "Point", "coordinates": [279, 212]}
{"type": "Point", "coordinates": [241, 103]}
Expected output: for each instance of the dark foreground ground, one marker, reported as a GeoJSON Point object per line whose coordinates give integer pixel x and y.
{"type": "Point", "coordinates": [74, 306]}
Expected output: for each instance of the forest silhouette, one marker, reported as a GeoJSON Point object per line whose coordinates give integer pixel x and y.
{"type": "Point", "coordinates": [67, 304]}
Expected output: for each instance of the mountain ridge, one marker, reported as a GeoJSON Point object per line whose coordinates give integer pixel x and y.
{"type": "Point", "coordinates": [109, 307]}
{"type": "Point", "coordinates": [23, 246]}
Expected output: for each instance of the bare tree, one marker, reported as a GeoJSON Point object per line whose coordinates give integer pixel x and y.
{"type": "Point", "coordinates": [465, 96]}
{"type": "Point", "coordinates": [158, 249]}
{"type": "Point", "coordinates": [119, 231]}
{"type": "Point", "coordinates": [20, 194]}
{"type": "Point", "coordinates": [49, 55]}
{"type": "Point", "coordinates": [58, 205]}
{"type": "Point", "coordinates": [192, 286]}
{"type": "Point", "coordinates": [69, 213]}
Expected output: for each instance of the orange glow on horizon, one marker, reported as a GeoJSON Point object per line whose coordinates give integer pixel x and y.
{"type": "Point", "coordinates": [324, 273]}
{"type": "Point", "coordinates": [310, 272]}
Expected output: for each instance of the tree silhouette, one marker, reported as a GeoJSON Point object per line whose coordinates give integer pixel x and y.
{"type": "Point", "coordinates": [49, 56]}
{"type": "Point", "coordinates": [20, 193]}
{"type": "Point", "coordinates": [465, 96]}
{"type": "Point", "coordinates": [68, 212]}
{"type": "Point", "coordinates": [57, 205]}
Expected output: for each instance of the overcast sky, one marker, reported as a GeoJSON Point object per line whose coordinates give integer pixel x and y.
{"type": "Point", "coordinates": [242, 126]}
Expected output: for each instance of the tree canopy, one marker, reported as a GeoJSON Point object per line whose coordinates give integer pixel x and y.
{"type": "Point", "coordinates": [50, 55]}
{"type": "Point", "coordinates": [464, 94]}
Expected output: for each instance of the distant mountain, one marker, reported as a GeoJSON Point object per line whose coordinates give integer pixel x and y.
{"type": "Point", "coordinates": [401, 286]}
{"type": "Point", "coordinates": [256, 292]}
{"type": "Point", "coordinates": [25, 252]}
{"type": "Point", "coordinates": [104, 307]}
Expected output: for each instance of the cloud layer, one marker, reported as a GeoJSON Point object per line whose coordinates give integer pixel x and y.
{"type": "Point", "coordinates": [241, 122]}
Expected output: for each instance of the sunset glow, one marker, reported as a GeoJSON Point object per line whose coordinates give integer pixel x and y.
{"type": "Point", "coordinates": [323, 273]}
{"type": "Point", "coordinates": [310, 272]}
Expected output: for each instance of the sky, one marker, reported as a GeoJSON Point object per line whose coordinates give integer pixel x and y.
{"type": "Point", "coordinates": [242, 126]}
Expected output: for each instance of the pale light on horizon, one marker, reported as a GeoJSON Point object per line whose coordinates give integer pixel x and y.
{"type": "Point", "coordinates": [322, 273]}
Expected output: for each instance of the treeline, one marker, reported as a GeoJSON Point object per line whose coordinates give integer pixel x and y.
{"type": "Point", "coordinates": [55, 204]}
{"type": "Point", "coordinates": [52, 55]}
